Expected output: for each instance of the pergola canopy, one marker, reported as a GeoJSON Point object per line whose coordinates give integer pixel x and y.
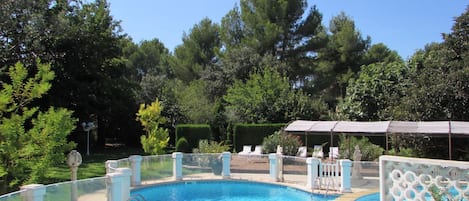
{"type": "Point", "coordinates": [383, 128]}
{"type": "Point", "coordinates": [380, 127]}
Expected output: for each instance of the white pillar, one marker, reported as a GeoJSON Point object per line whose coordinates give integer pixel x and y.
{"type": "Point", "coordinates": [226, 159]}
{"type": "Point", "coordinates": [177, 166]}
{"type": "Point", "coordinates": [33, 192]}
{"type": "Point", "coordinates": [313, 172]}
{"type": "Point", "coordinates": [135, 164]}
{"type": "Point", "coordinates": [118, 185]}
{"type": "Point", "coordinates": [345, 169]}
{"type": "Point", "coordinates": [110, 166]}
{"type": "Point", "coordinates": [273, 159]}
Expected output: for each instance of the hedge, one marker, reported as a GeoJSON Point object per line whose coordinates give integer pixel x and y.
{"type": "Point", "coordinates": [252, 134]}
{"type": "Point", "coordinates": [193, 133]}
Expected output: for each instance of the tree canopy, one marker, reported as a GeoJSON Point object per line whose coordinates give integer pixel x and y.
{"type": "Point", "coordinates": [266, 61]}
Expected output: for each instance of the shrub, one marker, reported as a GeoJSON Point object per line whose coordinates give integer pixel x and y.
{"type": "Point", "coordinates": [182, 145]}
{"type": "Point", "coordinates": [193, 133]}
{"type": "Point", "coordinates": [289, 143]}
{"type": "Point", "coordinates": [156, 138]}
{"type": "Point", "coordinates": [253, 134]}
{"type": "Point", "coordinates": [368, 150]}
{"type": "Point", "coordinates": [212, 147]}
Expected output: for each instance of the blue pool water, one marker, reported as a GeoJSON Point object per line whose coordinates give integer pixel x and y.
{"type": "Point", "coordinates": [225, 191]}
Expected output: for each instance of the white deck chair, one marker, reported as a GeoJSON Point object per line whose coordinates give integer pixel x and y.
{"type": "Point", "coordinates": [333, 153]}
{"type": "Point", "coordinates": [317, 151]}
{"type": "Point", "coordinates": [257, 151]}
{"type": "Point", "coordinates": [302, 152]}
{"type": "Point", "coordinates": [246, 150]}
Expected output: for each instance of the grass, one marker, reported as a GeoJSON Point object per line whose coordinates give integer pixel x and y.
{"type": "Point", "coordinates": [92, 165]}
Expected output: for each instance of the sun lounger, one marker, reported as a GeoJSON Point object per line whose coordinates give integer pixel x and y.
{"type": "Point", "coordinates": [257, 151]}
{"type": "Point", "coordinates": [317, 151]}
{"type": "Point", "coordinates": [246, 150]}
{"type": "Point", "coordinates": [302, 152]}
{"type": "Point", "coordinates": [333, 153]}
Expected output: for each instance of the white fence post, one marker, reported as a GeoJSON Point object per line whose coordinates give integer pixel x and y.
{"type": "Point", "coordinates": [177, 166]}
{"type": "Point", "coordinates": [273, 158]}
{"type": "Point", "coordinates": [345, 167]}
{"type": "Point", "coordinates": [226, 158]}
{"type": "Point", "coordinates": [110, 166]}
{"type": "Point", "coordinates": [135, 164]}
{"type": "Point", "coordinates": [313, 172]}
{"type": "Point", "coordinates": [118, 185]}
{"type": "Point", "coordinates": [33, 192]}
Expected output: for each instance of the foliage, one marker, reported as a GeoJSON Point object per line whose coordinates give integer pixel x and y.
{"type": "Point", "coordinates": [288, 142]}
{"type": "Point", "coordinates": [156, 138]}
{"type": "Point", "coordinates": [194, 103]}
{"type": "Point", "coordinates": [193, 133]}
{"type": "Point", "coordinates": [341, 59]}
{"type": "Point", "coordinates": [376, 92]}
{"type": "Point", "coordinates": [268, 97]}
{"type": "Point", "coordinates": [407, 152]}
{"type": "Point", "coordinates": [244, 134]}
{"type": "Point", "coordinates": [32, 141]}
{"type": "Point", "coordinates": [182, 145]}
{"type": "Point", "coordinates": [212, 147]}
{"type": "Point", "coordinates": [197, 51]}
{"type": "Point", "coordinates": [369, 151]}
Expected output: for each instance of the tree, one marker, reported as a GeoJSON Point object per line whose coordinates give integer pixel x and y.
{"type": "Point", "coordinates": [341, 59]}
{"type": "Point", "coordinates": [150, 57]}
{"type": "Point", "coordinates": [28, 29]}
{"type": "Point", "coordinates": [376, 92]}
{"type": "Point", "coordinates": [32, 141]}
{"type": "Point", "coordinates": [197, 51]}
{"type": "Point", "coordinates": [156, 138]}
{"type": "Point", "coordinates": [268, 97]}
{"type": "Point", "coordinates": [380, 53]}
{"type": "Point", "coordinates": [194, 102]}
{"type": "Point", "coordinates": [91, 73]}
{"type": "Point", "coordinates": [280, 28]}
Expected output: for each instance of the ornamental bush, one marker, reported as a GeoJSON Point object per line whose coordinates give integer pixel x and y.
{"type": "Point", "coordinates": [289, 143]}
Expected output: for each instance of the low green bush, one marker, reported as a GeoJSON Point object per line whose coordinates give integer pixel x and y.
{"type": "Point", "coordinates": [369, 151]}
{"type": "Point", "coordinates": [182, 145]}
{"type": "Point", "coordinates": [289, 143]}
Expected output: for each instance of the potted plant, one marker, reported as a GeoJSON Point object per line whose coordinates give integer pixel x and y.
{"type": "Point", "coordinates": [214, 161]}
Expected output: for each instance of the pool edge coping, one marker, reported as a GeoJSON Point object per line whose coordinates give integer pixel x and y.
{"type": "Point", "coordinates": [354, 196]}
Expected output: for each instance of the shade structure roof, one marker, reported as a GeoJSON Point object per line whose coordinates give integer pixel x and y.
{"type": "Point", "coordinates": [380, 127]}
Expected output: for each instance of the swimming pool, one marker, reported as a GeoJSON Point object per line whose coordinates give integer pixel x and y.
{"type": "Point", "coordinates": [225, 191]}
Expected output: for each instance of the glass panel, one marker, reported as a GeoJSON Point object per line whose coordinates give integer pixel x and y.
{"type": "Point", "coordinates": [159, 167]}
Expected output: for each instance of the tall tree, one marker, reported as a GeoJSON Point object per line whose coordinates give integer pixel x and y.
{"type": "Point", "coordinates": [268, 97]}
{"type": "Point", "coordinates": [197, 51]}
{"type": "Point", "coordinates": [341, 59]}
{"type": "Point", "coordinates": [376, 92]}
{"type": "Point", "coordinates": [91, 74]}
{"type": "Point", "coordinates": [27, 30]}
{"type": "Point", "coordinates": [281, 28]}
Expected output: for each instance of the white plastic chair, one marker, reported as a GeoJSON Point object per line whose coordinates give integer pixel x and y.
{"type": "Point", "coordinates": [317, 151]}
{"type": "Point", "coordinates": [257, 151]}
{"type": "Point", "coordinates": [333, 153]}
{"type": "Point", "coordinates": [302, 152]}
{"type": "Point", "coordinates": [246, 150]}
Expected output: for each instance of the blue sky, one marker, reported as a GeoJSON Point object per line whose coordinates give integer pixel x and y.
{"type": "Point", "coordinates": [402, 25]}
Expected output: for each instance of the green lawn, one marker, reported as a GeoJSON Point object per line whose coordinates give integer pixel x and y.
{"type": "Point", "coordinates": [92, 165]}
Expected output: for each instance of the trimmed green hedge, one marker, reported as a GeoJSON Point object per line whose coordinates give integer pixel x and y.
{"type": "Point", "coordinates": [193, 133]}
{"type": "Point", "coordinates": [252, 134]}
